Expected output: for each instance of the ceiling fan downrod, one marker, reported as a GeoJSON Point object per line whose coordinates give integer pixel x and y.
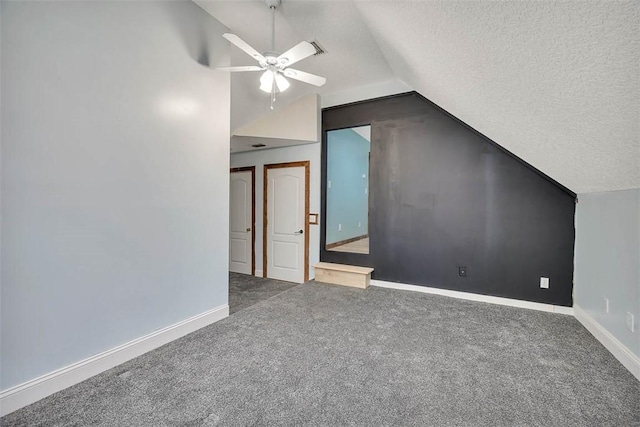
{"type": "Point", "coordinates": [273, 4]}
{"type": "Point", "coordinates": [273, 28]}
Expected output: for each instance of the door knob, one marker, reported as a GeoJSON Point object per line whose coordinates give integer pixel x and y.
{"type": "Point", "coordinates": [248, 229]}
{"type": "Point", "coordinates": [299, 232]}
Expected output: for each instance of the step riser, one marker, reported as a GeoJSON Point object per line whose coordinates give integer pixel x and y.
{"type": "Point", "coordinates": [344, 278]}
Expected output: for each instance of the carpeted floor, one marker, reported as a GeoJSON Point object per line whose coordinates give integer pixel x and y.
{"type": "Point", "coordinates": [246, 290]}
{"type": "Point", "coordinates": [325, 355]}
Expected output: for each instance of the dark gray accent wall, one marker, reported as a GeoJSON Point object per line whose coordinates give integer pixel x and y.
{"type": "Point", "coordinates": [444, 196]}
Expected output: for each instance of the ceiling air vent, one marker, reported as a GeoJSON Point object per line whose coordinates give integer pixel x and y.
{"type": "Point", "coordinates": [319, 49]}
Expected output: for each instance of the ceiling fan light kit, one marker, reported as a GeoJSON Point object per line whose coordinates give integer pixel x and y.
{"type": "Point", "coordinates": [268, 79]}
{"type": "Point", "coordinates": [274, 64]}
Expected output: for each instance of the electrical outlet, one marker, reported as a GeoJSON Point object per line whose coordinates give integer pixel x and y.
{"type": "Point", "coordinates": [544, 282]}
{"type": "Point", "coordinates": [339, 227]}
{"type": "Point", "coordinates": [359, 224]}
{"type": "Point", "coordinates": [630, 324]}
{"type": "Point", "coordinates": [606, 305]}
{"type": "Point", "coordinates": [462, 271]}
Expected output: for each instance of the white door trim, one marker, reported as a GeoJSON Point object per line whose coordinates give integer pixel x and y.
{"type": "Point", "coordinates": [306, 164]}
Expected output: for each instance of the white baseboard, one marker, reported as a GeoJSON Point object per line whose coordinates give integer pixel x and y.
{"type": "Point", "coordinates": [31, 391]}
{"type": "Point", "coordinates": [258, 273]}
{"type": "Point", "coordinates": [476, 297]}
{"type": "Point", "coordinates": [611, 343]}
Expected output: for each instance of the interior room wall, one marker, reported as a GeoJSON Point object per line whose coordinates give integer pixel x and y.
{"type": "Point", "coordinates": [299, 121]}
{"type": "Point", "coordinates": [442, 196]}
{"type": "Point", "coordinates": [607, 261]}
{"type": "Point", "coordinates": [115, 176]}
{"type": "Point", "coordinates": [259, 158]}
{"type": "Point", "coordinates": [347, 185]}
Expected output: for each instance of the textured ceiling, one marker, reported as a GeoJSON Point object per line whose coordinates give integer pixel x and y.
{"type": "Point", "coordinates": [556, 83]}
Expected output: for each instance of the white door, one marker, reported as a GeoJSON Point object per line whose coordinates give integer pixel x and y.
{"type": "Point", "coordinates": [286, 223]}
{"type": "Point", "coordinates": [240, 223]}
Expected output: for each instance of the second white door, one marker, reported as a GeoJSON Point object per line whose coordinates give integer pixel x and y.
{"type": "Point", "coordinates": [286, 225]}
{"type": "Point", "coordinates": [241, 223]}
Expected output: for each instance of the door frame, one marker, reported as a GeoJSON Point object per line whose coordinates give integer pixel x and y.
{"type": "Point", "coordinates": [251, 169]}
{"type": "Point", "coordinates": [303, 163]}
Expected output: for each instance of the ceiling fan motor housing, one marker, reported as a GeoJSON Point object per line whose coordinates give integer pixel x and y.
{"type": "Point", "coordinates": [271, 57]}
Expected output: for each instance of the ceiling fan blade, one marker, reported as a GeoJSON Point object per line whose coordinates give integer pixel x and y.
{"type": "Point", "coordinates": [297, 53]}
{"type": "Point", "coordinates": [312, 79]}
{"type": "Point", "coordinates": [241, 68]}
{"type": "Point", "coordinates": [244, 46]}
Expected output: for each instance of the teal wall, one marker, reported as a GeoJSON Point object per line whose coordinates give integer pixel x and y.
{"type": "Point", "coordinates": [347, 190]}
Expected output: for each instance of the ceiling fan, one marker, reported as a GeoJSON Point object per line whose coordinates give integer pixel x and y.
{"type": "Point", "coordinates": [274, 64]}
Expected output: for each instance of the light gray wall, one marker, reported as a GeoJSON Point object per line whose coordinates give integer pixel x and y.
{"type": "Point", "coordinates": [259, 158]}
{"type": "Point", "coordinates": [115, 168]}
{"type": "Point", "coordinates": [607, 261]}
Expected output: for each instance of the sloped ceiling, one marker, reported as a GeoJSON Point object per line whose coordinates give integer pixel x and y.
{"type": "Point", "coordinates": [556, 83]}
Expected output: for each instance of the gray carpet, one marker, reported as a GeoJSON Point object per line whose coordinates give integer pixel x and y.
{"type": "Point", "coordinates": [245, 290]}
{"type": "Point", "coordinates": [326, 355]}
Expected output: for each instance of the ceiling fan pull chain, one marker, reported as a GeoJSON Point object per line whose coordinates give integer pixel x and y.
{"type": "Point", "coordinates": [273, 93]}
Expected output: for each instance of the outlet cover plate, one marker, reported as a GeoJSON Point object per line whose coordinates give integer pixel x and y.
{"type": "Point", "coordinates": [462, 271]}
{"type": "Point", "coordinates": [544, 282]}
{"type": "Point", "coordinates": [630, 323]}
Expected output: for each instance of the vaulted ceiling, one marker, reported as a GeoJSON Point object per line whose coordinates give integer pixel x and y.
{"type": "Point", "coordinates": [556, 83]}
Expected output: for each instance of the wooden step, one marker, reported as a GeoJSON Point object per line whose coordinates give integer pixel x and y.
{"type": "Point", "coordinates": [341, 274]}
